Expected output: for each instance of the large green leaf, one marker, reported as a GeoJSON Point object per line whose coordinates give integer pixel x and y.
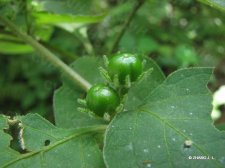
{"type": "Point", "coordinates": [6, 153]}
{"type": "Point", "coordinates": [150, 81]}
{"type": "Point", "coordinates": [219, 4]}
{"type": "Point", "coordinates": [14, 48]}
{"type": "Point", "coordinates": [65, 98]}
{"type": "Point", "coordinates": [10, 44]}
{"type": "Point", "coordinates": [50, 18]}
{"type": "Point", "coordinates": [50, 146]}
{"type": "Point", "coordinates": [65, 6]}
{"type": "Point", "coordinates": [171, 125]}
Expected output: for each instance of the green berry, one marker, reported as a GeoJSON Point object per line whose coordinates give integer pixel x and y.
{"type": "Point", "coordinates": [124, 64]}
{"type": "Point", "coordinates": [101, 99]}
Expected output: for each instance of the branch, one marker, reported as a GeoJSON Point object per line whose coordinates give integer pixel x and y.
{"type": "Point", "coordinates": [126, 24]}
{"type": "Point", "coordinates": [49, 56]}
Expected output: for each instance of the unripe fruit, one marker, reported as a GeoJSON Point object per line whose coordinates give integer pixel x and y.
{"type": "Point", "coordinates": [101, 98]}
{"type": "Point", "coordinates": [124, 64]}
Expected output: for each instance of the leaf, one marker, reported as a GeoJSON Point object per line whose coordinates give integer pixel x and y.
{"type": "Point", "coordinates": [65, 98]}
{"type": "Point", "coordinates": [149, 82]}
{"type": "Point", "coordinates": [66, 6]}
{"type": "Point", "coordinates": [9, 37]}
{"type": "Point", "coordinates": [175, 113]}
{"type": "Point", "coordinates": [50, 18]}
{"type": "Point", "coordinates": [218, 4]}
{"type": "Point", "coordinates": [6, 153]}
{"type": "Point", "coordinates": [12, 45]}
{"type": "Point", "coordinates": [50, 146]}
{"type": "Point", "coordinates": [14, 48]}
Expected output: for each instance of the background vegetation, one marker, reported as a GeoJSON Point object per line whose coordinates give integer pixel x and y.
{"type": "Point", "coordinates": [174, 33]}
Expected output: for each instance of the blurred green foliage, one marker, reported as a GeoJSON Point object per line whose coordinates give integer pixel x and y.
{"type": "Point", "coordinates": [174, 33]}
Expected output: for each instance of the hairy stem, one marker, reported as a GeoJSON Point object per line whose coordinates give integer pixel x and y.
{"type": "Point", "coordinates": [49, 56]}
{"type": "Point", "coordinates": [126, 25]}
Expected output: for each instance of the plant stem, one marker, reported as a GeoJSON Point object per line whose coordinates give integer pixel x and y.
{"type": "Point", "coordinates": [126, 24]}
{"type": "Point", "coordinates": [49, 56]}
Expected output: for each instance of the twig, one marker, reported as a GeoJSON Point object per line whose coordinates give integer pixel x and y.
{"type": "Point", "coordinates": [126, 24]}
{"type": "Point", "coordinates": [49, 56]}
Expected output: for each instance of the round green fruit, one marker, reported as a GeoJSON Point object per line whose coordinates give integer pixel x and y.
{"type": "Point", "coordinates": [124, 64]}
{"type": "Point", "coordinates": [101, 98]}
